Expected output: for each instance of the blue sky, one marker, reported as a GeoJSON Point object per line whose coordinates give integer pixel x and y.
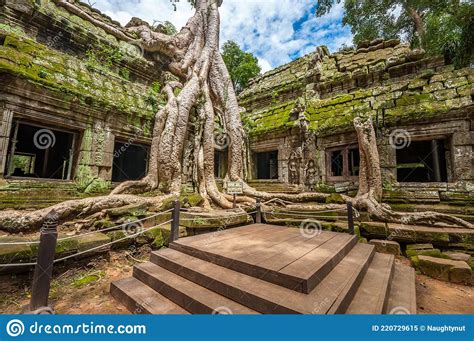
{"type": "Point", "coordinates": [276, 31]}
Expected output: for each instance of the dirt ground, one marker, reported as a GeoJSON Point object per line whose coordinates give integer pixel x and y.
{"type": "Point", "coordinates": [84, 289]}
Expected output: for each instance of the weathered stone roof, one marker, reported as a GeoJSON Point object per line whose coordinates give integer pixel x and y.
{"type": "Point", "coordinates": [385, 79]}
{"type": "Point", "coordinates": [57, 62]}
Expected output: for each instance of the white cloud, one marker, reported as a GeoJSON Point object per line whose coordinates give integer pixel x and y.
{"type": "Point", "coordinates": [276, 31]}
{"type": "Point", "coordinates": [264, 64]}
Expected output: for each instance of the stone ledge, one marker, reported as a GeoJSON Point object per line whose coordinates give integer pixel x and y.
{"type": "Point", "coordinates": [444, 269]}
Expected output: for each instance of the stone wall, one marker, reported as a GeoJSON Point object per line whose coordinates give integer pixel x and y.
{"type": "Point", "coordinates": [60, 71]}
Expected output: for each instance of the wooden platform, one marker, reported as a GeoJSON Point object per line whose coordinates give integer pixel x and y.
{"type": "Point", "coordinates": [268, 269]}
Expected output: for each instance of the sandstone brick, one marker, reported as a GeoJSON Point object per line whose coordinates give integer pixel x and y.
{"type": "Point", "coordinates": [444, 269]}
{"type": "Point", "coordinates": [386, 246]}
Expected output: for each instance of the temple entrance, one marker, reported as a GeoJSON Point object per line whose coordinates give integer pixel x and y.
{"type": "Point", "coordinates": [220, 163]}
{"type": "Point", "coordinates": [40, 152]}
{"type": "Point", "coordinates": [267, 165]}
{"type": "Point", "coordinates": [422, 161]}
{"type": "Point", "coordinates": [130, 161]}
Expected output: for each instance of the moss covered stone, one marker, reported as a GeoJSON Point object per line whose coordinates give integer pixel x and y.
{"type": "Point", "coordinates": [71, 76]}
{"type": "Point", "coordinates": [118, 235]}
{"type": "Point", "coordinates": [10, 254]}
{"type": "Point", "coordinates": [335, 198]}
{"type": "Point", "coordinates": [444, 269]}
{"type": "Point", "coordinates": [93, 241]}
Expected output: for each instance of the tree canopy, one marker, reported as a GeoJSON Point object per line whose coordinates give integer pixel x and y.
{"type": "Point", "coordinates": [438, 26]}
{"type": "Point", "coordinates": [242, 66]}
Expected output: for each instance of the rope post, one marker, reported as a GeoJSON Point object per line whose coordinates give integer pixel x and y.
{"type": "Point", "coordinates": [350, 218]}
{"type": "Point", "coordinates": [258, 215]}
{"type": "Point", "coordinates": [174, 235]}
{"type": "Point", "coordinates": [44, 264]}
{"type": "Point", "coordinates": [234, 202]}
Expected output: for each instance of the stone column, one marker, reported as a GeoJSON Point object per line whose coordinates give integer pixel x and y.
{"type": "Point", "coordinates": [96, 156]}
{"type": "Point", "coordinates": [463, 156]}
{"type": "Point", "coordinates": [6, 118]}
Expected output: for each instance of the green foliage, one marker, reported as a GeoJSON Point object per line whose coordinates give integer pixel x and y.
{"type": "Point", "coordinates": [242, 66]}
{"type": "Point", "coordinates": [152, 96]}
{"type": "Point", "coordinates": [124, 73]}
{"type": "Point", "coordinates": [452, 33]}
{"type": "Point", "coordinates": [104, 56]}
{"type": "Point", "coordinates": [169, 28]}
{"type": "Point", "coordinates": [439, 26]}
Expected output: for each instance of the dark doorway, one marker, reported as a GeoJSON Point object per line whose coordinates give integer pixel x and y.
{"type": "Point", "coordinates": [220, 163]}
{"type": "Point", "coordinates": [337, 163]}
{"type": "Point", "coordinates": [354, 161]}
{"type": "Point", "coordinates": [422, 161]}
{"type": "Point", "coordinates": [130, 161]}
{"type": "Point", "coordinates": [267, 165]}
{"type": "Point", "coordinates": [39, 152]}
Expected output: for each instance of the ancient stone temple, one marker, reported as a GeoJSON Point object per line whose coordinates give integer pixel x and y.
{"type": "Point", "coordinates": [299, 119]}
{"type": "Point", "coordinates": [67, 84]}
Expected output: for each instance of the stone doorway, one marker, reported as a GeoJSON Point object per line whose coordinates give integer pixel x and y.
{"type": "Point", "coordinates": [130, 161]}
{"type": "Point", "coordinates": [423, 161]}
{"type": "Point", "coordinates": [267, 165]}
{"type": "Point", "coordinates": [40, 152]}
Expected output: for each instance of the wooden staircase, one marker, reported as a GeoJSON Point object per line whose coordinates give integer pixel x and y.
{"type": "Point", "coordinates": [267, 269]}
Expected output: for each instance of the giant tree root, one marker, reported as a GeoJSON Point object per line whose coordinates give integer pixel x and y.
{"type": "Point", "coordinates": [21, 221]}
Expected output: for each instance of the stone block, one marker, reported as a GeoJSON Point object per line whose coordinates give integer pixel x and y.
{"type": "Point", "coordinates": [464, 257]}
{"type": "Point", "coordinates": [386, 246]}
{"type": "Point", "coordinates": [444, 269]}
{"type": "Point", "coordinates": [419, 246]}
{"type": "Point", "coordinates": [10, 254]}
{"type": "Point", "coordinates": [93, 241]}
{"type": "Point", "coordinates": [429, 252]}
{"type": "Point", "coordinates": [117, 235]}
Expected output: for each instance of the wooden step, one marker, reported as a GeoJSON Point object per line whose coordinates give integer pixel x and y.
{"type": "Point", "coordinates": [138, 298]}
{"type": "Point", "coordinates": [402, 298]}
{"type": "Point", "coordinates": [332, 295]}
{"type": "Point", "coordinates": [280, 255]}
{"type": "Point", "coordinates": [372, 295]}
{"type": "Point", "coordinates": [188, 295]}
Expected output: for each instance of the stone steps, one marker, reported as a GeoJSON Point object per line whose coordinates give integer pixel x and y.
{"type": "Point", "coordinates": [357, 281]}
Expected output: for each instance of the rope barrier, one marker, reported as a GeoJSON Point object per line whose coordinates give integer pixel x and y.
{"type": "Point", "coordinates": [89, 250]}
{"type": "Point", "coordinates": [92, 232]}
